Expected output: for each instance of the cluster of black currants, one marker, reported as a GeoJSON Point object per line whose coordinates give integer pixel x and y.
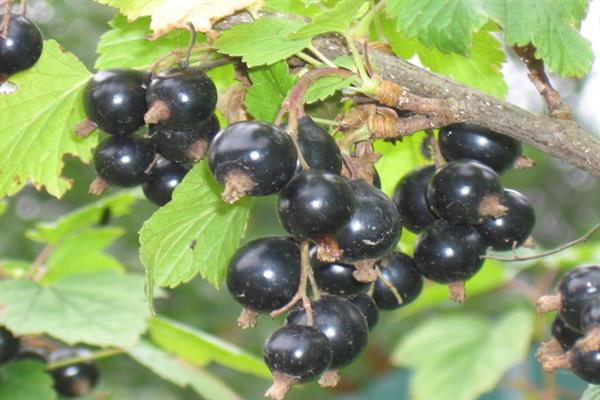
{"type": "Point", "coordinates": [178, 107]}
{"type": "Point", "coordinates": [22, 45]}
{"type": "Point", "coordinates": [71, 380]}
{"type": "Point", "coordinates": [575, 342]}
{"type": "Point", "coordinates": [460, 210]}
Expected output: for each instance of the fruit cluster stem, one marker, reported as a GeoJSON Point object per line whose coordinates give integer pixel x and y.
{"type": "Point", "coordinates": [88, 357]}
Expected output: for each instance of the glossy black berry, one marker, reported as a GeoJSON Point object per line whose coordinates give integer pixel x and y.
{"type": "Point", "coordinates": [76, 379]}
{"type": "Point", "coordinates": [162, 180]}
{"type": "Point", "coordinates": [189, 97]}
{"type": "Point", "coordinates": [461, 191]}
{"type": "Point", "coordinates": [342, 323]}
{"type": "Point", "coordinates": [336, 277]}
{"type": "Point", "coordinates": [448, 253]}
{"type": "Point", "coordinates": [467, 141]}
{"type": "Point", "coordinates": [399, 271]}
{"type": "Point", "coordinates": [578, 288]}
{"type": "Point", "coordinates": [586, 365]}
{"type": "Point", "coordinates": [184, 146]}
{"type": "Point", "coordinates": [22, 47]}
{"type": "Point", "coordinates": [367, 307]}
{"type": "Point", "coordinates": [264, 274]}
{"type": "Point", "coordinates": [565, 336]}
{"type": "Point", "coordinates": [116, 100]}
{"type": "Point", "coordinates": [122, 161]}
{"type": "Point", "coordinates": [590, 316]}
{"type": "Point", "coordinates": [373, 229]}
{"type": "Point", "coordinates": [252, 158]}
{"type": "Point", "coordinates": [299, 351]}
{"type": "Point", "coordinates": [319, 149]}
{"type": "Point", "coordinates": [410, 197]}
{"type": "Point", "coordinates": [512, 229]}
{"type": "Point", "coordinates": [9, 345]}
{"type": "Point", "coordinates": [315, 203]}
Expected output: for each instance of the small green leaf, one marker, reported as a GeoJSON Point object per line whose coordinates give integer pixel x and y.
{"type": "Point", "coordinates": [325, 87]}
{"type": "Point", "coordinates": [3, 207]}
{"type": "Point", "coordinates": [133, 9]}
{"type": "Point", "coordinates": [38, 120]}
{"type": "Point", "coordinates": [200, 348]}
{"type": "Point", "coordinates": [263, 42]}
{"type": "Point", "coordinates": [103, 308]}
{"type": "Point", "coordinates": [463, 356]}
{"type": "Point", "coordinates": [591, 393]}
{"type": "Point", "coordinates": [14, 268]}
{"type": "Point", "coordinates": [337, 19]}
{"type": "Point", "coordinates": [181, 373]}
{"type": "Point", "coordinates": [300, 7]}
{"type": "Point", "coordinates": [270, 86]}
{"type": "Point", "coordinates": [26, 380]}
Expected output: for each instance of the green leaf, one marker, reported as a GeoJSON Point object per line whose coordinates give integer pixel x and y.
{"type": "Point", "coordinates": [3, 207]}
{"type": "Point", "coordinates": [463, 356]}
{"type": "Point", "coordinates": [103, 308]}
{"type": "Point", "coordinates": [200, 348]}
{"type": "Point", "coordinates": [263, 42]}
{"type": "Point", "coordinates": [181, 373]}
{"type": "Point", "coordinates": [306, 7]}
{"type": "Point", "coordinates": [133, 9]}
{"type": "Point", "coordinates": [127, 44]}
{"type": "Point", "coordinates": [591, 393]}
{"type": "Point", "coordinates": [195, 232]}
{"type": "Point", "coordinates": [38, 120]}
{"type": "Point", "coordinates": [325, 87]}
{"type": "Point", "coordinates": [14, 268]}
{"type": "Point", "coordinates": [52, 232]}
{"type": "Point", "coordinates": [270, 86]}
{"type": "Point", "coordinates": [337, 19]}
{"type": "Point", "coordinates": [26, 380]}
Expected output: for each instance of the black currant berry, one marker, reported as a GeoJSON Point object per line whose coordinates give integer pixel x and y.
{"type": "Point", "coordinates": [373, 229]}
{"type": "Point", "coordinates": [184, 146]}
{"type": "Point", "coordinates": [465, 192]}
{"type": "Point", "coordinates": [448, 253]}
{"type": "Point", "coordinates": [367, 307]}
{"type": "Point", "coordinates": [565, 336]}
{"type": "Point", "coordinates": [122, 161]}
{"type": "Point", "coordinates": [264, 274]}
{"type": "Point", "coordinates": [22, 47]}
{"type": "Point", "coordinates": [315, 203]}
{"type": "Point", "coordinates": [116, 100]}
{"type": "Point", "coordinates": [399, 271]}
{"type": "Point", "coordinates": [512, 229]}
{"type": "Point", "coordinates": [578, 288]}
{"type": "Point", "coordinates": [410, 197]}
{"type": "Point", "coordinates": [319, 149]}
{"type": "Point", "coordinates": [163, 178]}
{"type": "Point", "coordinates": [181, 99]}
{"type": "Point", "coordinates": [76, 379]}
{"type": "Point", "coordinates": [336, 277]}
{"type": "Point", "coordinates": [299, 351]}
{"type": "Point", "coordinates": [342, 323]}
{"type": "Point", "coordinates": [467, 141]}
{"type": "Point", "coordinates": [586, 365]}
{"type": "Point", "coordinates": [9, 345]}
{"type": "Point", "coordinates": [252, 158]}
{"type": "Point", "coordinates": [590, 316]}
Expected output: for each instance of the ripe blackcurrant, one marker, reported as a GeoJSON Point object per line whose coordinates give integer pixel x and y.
{"type": "Point", "coordinates": [252, 158]}
{"type": "Point", "coordinates": [398, 271]}
{"type": "Point", "coordinates": [467, 141]}
{"type": "Point", "coordinates": [22, 47]}
{"type": "Point", "coordinates": [410, 197]}
{"type": "Point", "coordinates": [122, 161]}
{"type": "Point", "coordinates": [367, 307]}
{"type": "Point", "coordinates": [298, 351]}
{"type": "Point", "coordinates": [510, 230]}
{"type": "Point", "coordinates": [315, 203]}
{"type": "Point", "coordinates": [76, 379]}
{"type": "Point", "coordinates": [319, 149]}
{"type": "Point", "coordinates": [586, 365]}
{"type": "Point", "coordinates": [577, 289]}
{"type": "Point", "coordinates": [264, 274]}
{"type": "Point", "coordinates": [342, 323]}
{"type": "Point", "coordinates": [565, 336]}
{"type": "Point", "coordinates": [116, 100]}
{"type": "Point", "coordinates": [448, 253]}
{"type": "Point", "coordinates": [373, 229]}
{"type": "Point", "coordinates": [184, 146]}
{"type": "Point", "coordinates": [163, 178]}
{"type": "Point", "coordinates": [590, 316]}
{"type": "Point", "coordinates": [181, 99]}
{"type": "Point", "coordinates": [465, 192]}
{"type": "Point", "coordinates": [9, 345]}
{"type": "Point", "coordinates": [336, 277]}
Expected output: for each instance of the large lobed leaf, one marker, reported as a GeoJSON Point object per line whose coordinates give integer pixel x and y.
{"type": "Point", "coordinates": [270, 86]}
{"type": "Point", "coordinates": [26, 380]}
{"type": "Point", "coordinates": [37, 123]}
{"type": "Point", "coordinates": [337, 19]}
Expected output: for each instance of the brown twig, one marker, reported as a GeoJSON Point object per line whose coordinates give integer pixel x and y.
{"type": "Point", "coordinates": [6, 18]}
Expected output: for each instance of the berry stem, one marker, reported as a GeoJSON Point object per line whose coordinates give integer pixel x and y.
{"type": "Point", "coordinates": [389, 285]}
{"type": "Point", "coordinates": [308, 59]}
{"type": "Point", "coordinates": [324, 121]}
{"type": "Point", "coordinates": [321, 56]}
{"type": "Point", "coordinates": [438, 158]}
{"type": "Point", "coordinates": [188, 52]}
{"type": "Point", "coordinates": [23, 9]}
{"type": "Point", "coordinates": [38, 269]}
{"type": "Point", "coordinates": [6, 18]}
{"type": "Point", "coordinates": [88, 357]}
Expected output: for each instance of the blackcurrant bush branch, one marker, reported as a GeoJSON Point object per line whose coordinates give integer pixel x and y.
{"type": "Point", "coordinates": [88, 357]}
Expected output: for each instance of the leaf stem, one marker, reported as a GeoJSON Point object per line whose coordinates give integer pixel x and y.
{"type": "Point", "coordinates": [37, 268]}
{"type": "Point", "coordinates": [88, 357]}
{"type": "Point", "coordinates": [357, 59]}
{"type": "Point", "coordinates": [321, 56]}
{"type": "Point", "coordinates": [324, 121]}
{"type": "Point", "coordinates": [308, 59]}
